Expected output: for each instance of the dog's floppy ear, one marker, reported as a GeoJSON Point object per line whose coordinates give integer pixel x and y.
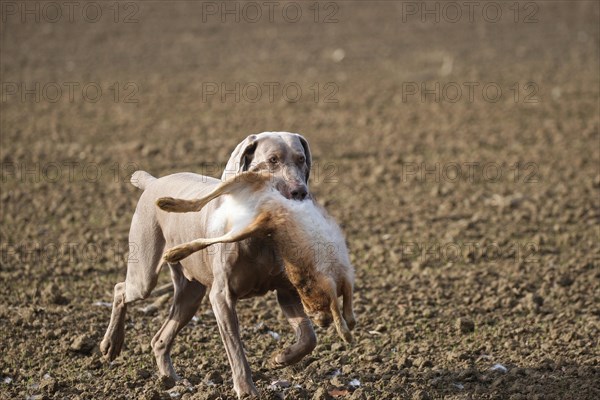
{"type": "Point", "coordinates": [241, 157]}
{"type": "Point", "coordinates": [307, 154]}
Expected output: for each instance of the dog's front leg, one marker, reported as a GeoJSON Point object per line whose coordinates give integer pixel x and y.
{"type": "Point", "coordinates": [223, 305]}
{"type": "Point", "coordinates": [306, 339]}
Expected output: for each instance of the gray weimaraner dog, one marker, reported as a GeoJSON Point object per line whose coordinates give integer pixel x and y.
{"type": "Point", "coordinates": [229, 272]}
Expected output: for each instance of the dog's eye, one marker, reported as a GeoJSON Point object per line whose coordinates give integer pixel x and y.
{"type": "Point", "coordinates": [301, 160]}
{"type": "Point", "coordinates": [273, 160]}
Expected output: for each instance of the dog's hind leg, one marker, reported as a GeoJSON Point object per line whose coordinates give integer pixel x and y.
{"type": "Point", "coordinates": [113, 339]}
{"type": "Point", "coordinates": [187, 299]}
{"type": "Point", "coordinates": [143, 266]}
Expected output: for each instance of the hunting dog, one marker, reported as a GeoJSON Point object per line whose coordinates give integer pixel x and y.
{"type": "Point", "coordinates": [231, 271]}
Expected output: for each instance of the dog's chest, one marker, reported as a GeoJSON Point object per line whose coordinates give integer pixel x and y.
{"type": "Point", "coordinates": [263, 269]}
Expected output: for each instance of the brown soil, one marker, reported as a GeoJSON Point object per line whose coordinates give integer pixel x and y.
{"type": "Point", "coordinates": [455, 274]}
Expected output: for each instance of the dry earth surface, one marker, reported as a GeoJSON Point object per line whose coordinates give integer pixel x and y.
{"type": "Point", "coordinates": [473, 223]}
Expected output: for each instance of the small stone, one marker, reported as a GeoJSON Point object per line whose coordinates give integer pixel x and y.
{"type": "Point", "coordinates": [281, 383]}
{"type": "Point", "coordinates": [465, 325]}
{"type": "Point", "coordinates": [49, 385]}
{"type": "Point", "coordinates": [149, 310]}
{"type": "Point", "coordinates": [194, 379]}
{"type": "Point", "coordinates": [207, 394]}
{"type": "Point", "coordinates": [499, 367]}
{"type": "Point", "coordinates": [452, 356]}
{"type": "Point", "coordinates": [497, 383]}
{"type": "Point", "coordinates": [405, 362]}
{"type": "Point", "coordinates": [421, 395]}
{"type": "Point", "coordinates": [296, 392]}
{"type": "Point", "coordinates": [82, 344]}
{"type": "Point", "coordinates": [535, 299]}
{"type": "Point", "coordinates": [337, 381]}
{"type": "Point", "coordinates": [93, 363]}
{"type": "Point", "coordinates": [143, 374]}
{"type": "Point", "coordinates": [358, 394]}
{"type": "Point", "coordinates": [468, 375]}
{"type": "Point", "coordinates": [214, 377]}
{"type": "Point", "coordinates": [51, 294]}
{"type": "Point", "coordinates": [321, 394]}
{"type": "Point", "coordinates": [565, 281]}
{"type": "Point", "coordinates": [421, 362]}
{"type": "Point", "coordinates": [373, 358]}
{"type": "Point", "coordinates": [152, 394]}
{"type": "Point", "coordinates": [338, 347]}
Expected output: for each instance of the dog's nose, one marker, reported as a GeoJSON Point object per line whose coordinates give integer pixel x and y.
{"type": "Point", "coordinates": [299, 193]}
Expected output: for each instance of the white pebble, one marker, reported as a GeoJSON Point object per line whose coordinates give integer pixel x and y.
{"type": "Point", "coordinates": [338, 55]}
{"type": "Point", "coordinates": [499, 367]}
{"type": "Point", "coordinates": [274, 335]}
{"type": "Point", "coordinates": [102, 304]}
{"type": "Point", "coordinates": [280, 383]}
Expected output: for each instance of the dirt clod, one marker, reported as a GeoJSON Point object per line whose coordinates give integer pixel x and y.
{"type": "Point", "coordinates": [166, 382]}
{"type": "Point", "coordinates": [421, 363]}
{"type": "Point", "coordinates": [214, 377]}
{"type": "Point", "coordinates": [49, 386]}
{"type": "Point", "coordinates": [52, 294]}
{"type": "Point", "coordinates": [82, 344]}
{"type": "Point", "coordinates": [152, 394]}
{"type": "Point", "coordinates": [143, 374]}
{"type": "Point", "coordinates": [321, 394]}
{"type": "Point", "coordinates": [421, 395]}
{"type": "Point", "coordinates": [465, 325]}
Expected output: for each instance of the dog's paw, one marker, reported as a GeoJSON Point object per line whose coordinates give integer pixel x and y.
{"type": "Point", "coordinates": [246, 390]}
{"type": "Point", "coordinates": [111, 346]}
{"type": "Point", "coordinates": [286, 357]}
{"type": "Point", "coordinates": [275, 361]}
{"type": "Point", "coordinates": [176, 254]}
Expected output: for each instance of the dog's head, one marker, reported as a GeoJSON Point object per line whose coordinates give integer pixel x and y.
{"type": "Point", "coordinates": [286, 155]}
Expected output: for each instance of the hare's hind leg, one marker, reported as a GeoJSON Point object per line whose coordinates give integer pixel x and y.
{"type": "Point", "coordinates": [178, 253]}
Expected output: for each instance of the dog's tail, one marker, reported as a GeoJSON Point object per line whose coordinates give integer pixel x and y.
{"type": "Point", "coordinates": [141, 179]}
